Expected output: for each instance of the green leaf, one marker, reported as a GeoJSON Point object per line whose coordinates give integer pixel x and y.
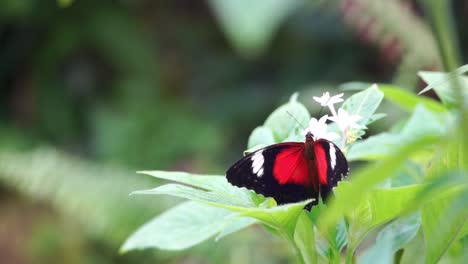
{"type": "Point", "coordinates": [341, 236]}
{"type": "Point", "coordinates": [215, 190]}
{"type": "Point", "coordinates": [422, 122]}
{"type": "Point", "coordinates": [403, 98]}
{"type": "Point", "coordinates": [369, 176]}
{"type": "Point", "coordinates": [359, 221]}
{"type": "Point", "coordinates": [371, 213]}
{"type": "Point", "coordinates": [234, 224]}
{"type": "Point", "coordinates": [374, 148]}
{"type": "Point", "coordinates": [180, 227]}
{"type": "Point", "coordinates": [376, 117]}
{"type": "Point", "coordinates": [261, 136]}
{"type": "Point", "coordinates": [411, 173]}
{"type": "Point", "coordinates": [330, 244]}
{"type": "Point", "coordinates": [250, 25]}
{"type": "Point", "coordinates": [397, 201]}
{"type": "Point", "coordinates": [221, 199]}
{"type": "Point", "coordinates": [414, 251]}
{"type": "Point", "coordinates": [304, 239]}
{"type": "Point", "coordinates": [283, 217]}
{"type": "Point", "coordinates": [391, 238]}
{"type": "Point", "coordinates": [207, 182]}
{"type": "Point", "coordinates": [218, 185]}
{"type": "Point", "coordinates": [282, 123]}
{"type": "Point", "coordinates": [442, 84]}
{"type": "Point", "coordinates": [364, 103]}
{"type": "Point", "coordinates": [408, 101]}
{"type": "Point", "coordinates": [218, 192]}
{"type": "Point", "coordinates": [442, 221]}
{"type": "Point", "coordinates": [464, 231]}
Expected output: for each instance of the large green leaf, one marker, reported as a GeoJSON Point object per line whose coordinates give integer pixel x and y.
{"type": "Point", "coordinates": [234, 224]}
{"type": "Point", "coordinates": [359, 224]}
{"type": "Point", "coordinates": [216, 191]}
{"type": "Point", "coordinates": [369, 176]}
{"type": "Point", "coordinates": [209, 188]}
{"type": "Point", "coordinates": [374, 148]}
{"type": "Point", "coordinates": [409, 101]}
{"type": "Point", "coordinates": [399, 96]}
{"type": "Point", "coordinates": [207, 182]}
{"type": "Point", "coordinates": [414, 251]}
{"type": "Point", "coordinates": [181, 227]}
{"type": "Point", "coordinates": [284, 120]}
{"type": "Point", "coordinates": [250, 25]}
{"type": "Point", "coordinates": [387, 204]}
{"type": "Point", "coordinates": [442, 222]}
{"type": "Point", "coordinates": [283, 217]}
{"type": "Point", "coordinates": [464, 231]}
{"type": "Point", "coordinates": [442, 83]}
{"type": "Point", "coordinates": [364, 103]}
{"type": "Point", "coordinates": [260, 136]}
{"type": "Point", "coordinates": [391, 238]}
{"type": "Point", "coordinates": [330, 244]}
{"type": "Point", "coordinates": [305, 240]}
{"type": "Point", "coordinates": [378, 207]}
{"type": "Point", "coordinates": [422, 122]}
{"type": "Point", "coordinates": [214, 198]}
{"type": "Point", "coordinates": [290, 222]}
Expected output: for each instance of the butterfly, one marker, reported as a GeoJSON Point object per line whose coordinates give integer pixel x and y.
{"type": "Point", "coordinates": [292, 171]}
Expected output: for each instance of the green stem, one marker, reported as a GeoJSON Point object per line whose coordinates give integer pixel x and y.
{"type": "Point", "coordinates": [441, 18]}
{"type": "Point", "coordinates": [440, 15]}
{"type": "Point", "coordinates": [349, 255]}
{"type": "Point", "coordinates": [297, 252]}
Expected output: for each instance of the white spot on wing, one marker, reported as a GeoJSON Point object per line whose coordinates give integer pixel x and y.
{"type": "Point", "coordinates": [257, 163]}
{"type": "Point", "coordinates": [257, 160]}
{"type": "Point", "coordinates": [332, 156]}
{"type": "Point", "coordinates": [260, 173]}
{"type": "Point", "coordinates": [256, 168]}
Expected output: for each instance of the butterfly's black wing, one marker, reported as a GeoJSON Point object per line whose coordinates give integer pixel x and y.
{"type": "Point", "coordinates": [256, 171]}
{"type": "Point", "coordinates": [335, 162]}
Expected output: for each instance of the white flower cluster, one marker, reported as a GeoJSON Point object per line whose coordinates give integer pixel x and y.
{"type": "Point", "coordinates": [343, 119]}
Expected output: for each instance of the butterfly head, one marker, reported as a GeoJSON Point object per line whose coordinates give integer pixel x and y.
{"type": "Point", "coordinates": [309, 137]}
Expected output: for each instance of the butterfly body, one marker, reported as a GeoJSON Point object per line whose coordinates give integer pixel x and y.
{"type": "Point", "coordinates": [291, 171]}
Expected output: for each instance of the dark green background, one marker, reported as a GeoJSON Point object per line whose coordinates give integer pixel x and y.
{"type": "Point", "coordinates": [129, 85]}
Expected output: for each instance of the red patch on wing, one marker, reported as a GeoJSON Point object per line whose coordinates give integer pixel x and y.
{"type": "Point", "coordinates": [321, 163]}
{"type": "Point", "coordinates": [290, 166]}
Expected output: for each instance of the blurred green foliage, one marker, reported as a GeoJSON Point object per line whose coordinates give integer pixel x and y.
{"type": "Point", "coordinates": [114, 86]}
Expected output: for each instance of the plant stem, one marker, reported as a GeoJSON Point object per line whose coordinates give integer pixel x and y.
{"type": "Point", "coordinates": [440, 15]}
{"type": "Point", "coordinates": [349, 255]}
{"type": "Point", "coordinates": [297, 252]}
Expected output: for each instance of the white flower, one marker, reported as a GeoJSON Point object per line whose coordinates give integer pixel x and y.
{"type": "Point", "coordinates": [326, 100]}
{"type": "Point", "coordinates": [345, 120]}
{"type": "Point", "coordinates": [319, 128]}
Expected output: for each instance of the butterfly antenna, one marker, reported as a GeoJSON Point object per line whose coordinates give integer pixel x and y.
{"type": "Point", "coordinates": [321, 109]}
{"type": "Point", "coordinates": [296, 120]}
{"type": "Point", "coordinates": [323, 106]}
